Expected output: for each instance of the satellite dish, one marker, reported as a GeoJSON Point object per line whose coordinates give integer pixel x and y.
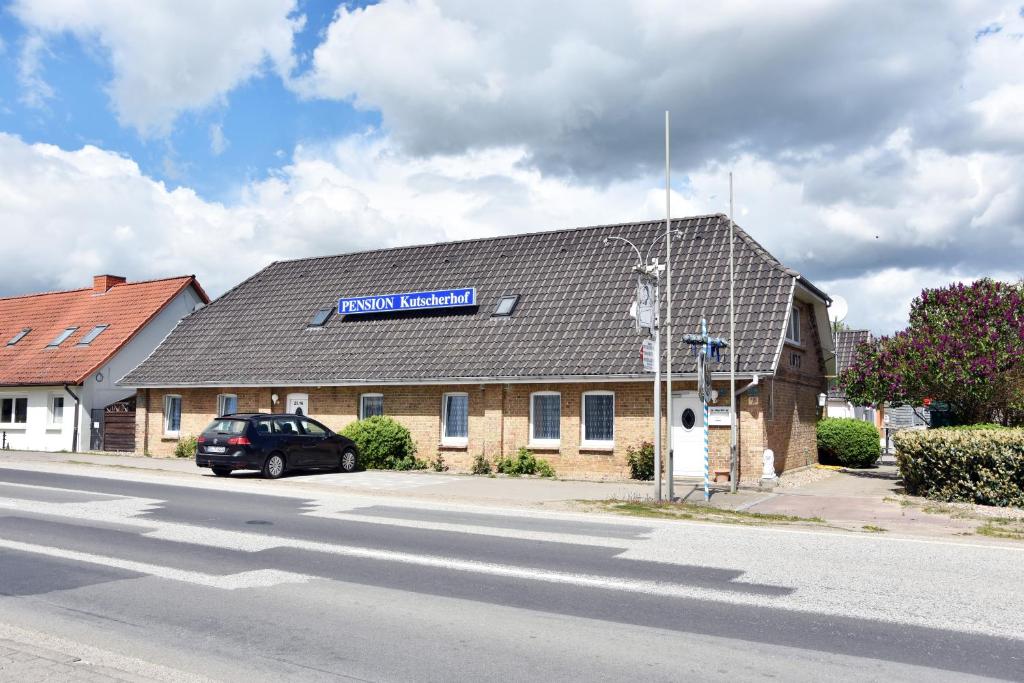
{"type": "Point", "coordinates": [838, 310]}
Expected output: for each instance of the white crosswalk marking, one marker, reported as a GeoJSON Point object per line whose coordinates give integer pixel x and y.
{"type": "Point", "coordinates": [261, 578]}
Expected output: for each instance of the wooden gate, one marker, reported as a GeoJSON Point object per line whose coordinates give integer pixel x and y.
{"type": "Point", "coordinates": [119, 426]}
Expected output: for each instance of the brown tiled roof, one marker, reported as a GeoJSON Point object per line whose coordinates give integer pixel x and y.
{"type": "Point", "coordinates": [126, 308]}
{"type": "Point", "coordinates": [571, 320]}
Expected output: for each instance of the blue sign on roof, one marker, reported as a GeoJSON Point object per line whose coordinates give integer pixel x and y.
{"type": "Point", "coordinates": [411, 301]}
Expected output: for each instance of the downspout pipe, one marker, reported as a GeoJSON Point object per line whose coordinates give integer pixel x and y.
{"type": "Point", "coordinates": [74, 437]}
{"type": "Point", "coordinates": [749, 386]}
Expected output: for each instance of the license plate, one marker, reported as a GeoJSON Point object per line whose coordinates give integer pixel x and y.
{"type": "Point", "coordinates": [215, 449]}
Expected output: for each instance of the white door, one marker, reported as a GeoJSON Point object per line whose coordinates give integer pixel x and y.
{"type": "Point", "coordinates": [687, 435]}
{"type": "Point", "coordinates": [298, 404]}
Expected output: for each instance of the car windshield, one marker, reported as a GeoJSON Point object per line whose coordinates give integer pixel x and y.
{"type": "Point", "coordinates": [227, 426]}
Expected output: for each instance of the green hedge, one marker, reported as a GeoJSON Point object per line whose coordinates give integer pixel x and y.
{"type": "Point", "coordinates": [524, 462]}
{"type": "Point", "coordinates": [383, 444]}
{"type": "Point", "coordinates": [848, 442]}
{"type": "Point", "coordinates": [972, 466]}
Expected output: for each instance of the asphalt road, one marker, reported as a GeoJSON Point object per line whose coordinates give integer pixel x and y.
{"type": "Point", "coordinates": [242, 581]}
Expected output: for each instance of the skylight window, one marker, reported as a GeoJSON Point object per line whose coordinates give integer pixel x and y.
{"type": "Point", "coordinates": [320, 317]}
{"type": "Point", "coordinates": [506, 305]}
{"type": "Point", "coordinates": [18, 337]}
{"type": "Point", "coordinates": [61, 337]}
{"type": "Point", "coordinates": [92, 334]}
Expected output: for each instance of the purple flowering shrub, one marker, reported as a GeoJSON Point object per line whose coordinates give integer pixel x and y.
{"type": "Point", "coordinates": [964, 347]}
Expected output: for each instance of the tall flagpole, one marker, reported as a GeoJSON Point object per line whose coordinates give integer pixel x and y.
{"type": "Point", "coordinates": [733, 455]}
{"type": "Point", "coordinates": [668, 308]}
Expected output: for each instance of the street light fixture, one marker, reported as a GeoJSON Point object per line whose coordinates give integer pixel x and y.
{"type": "Point", "coordinates": [651, 269]}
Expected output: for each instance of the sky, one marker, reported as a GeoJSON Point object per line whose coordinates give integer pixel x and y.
{"type": "Point", "coordinates": [877, 148]}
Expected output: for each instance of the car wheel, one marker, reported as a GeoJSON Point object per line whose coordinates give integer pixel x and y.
{"type": "Point", "coordinates": [221, 471]}
{"type": "Point", "coordinates": [273, 466]}
{"type": "Point", "coordinates": [347, 463]}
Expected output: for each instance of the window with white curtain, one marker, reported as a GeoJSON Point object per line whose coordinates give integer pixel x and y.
{"type": "Point", "coordinates": [598, 419]}
{"type": "Point", "coordinates": [227, 404]}
{"type": "Point", "coordinates": [455, 419]}
{"type": "Point", "coordinates": [370, 405]}
{"type": "Point", "coordinates": [172, 415]}
{"type": "Point", "coordinates": [545, 418]}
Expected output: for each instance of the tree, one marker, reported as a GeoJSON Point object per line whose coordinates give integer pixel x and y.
{"type": "Point", "coordinates": [964, 347]}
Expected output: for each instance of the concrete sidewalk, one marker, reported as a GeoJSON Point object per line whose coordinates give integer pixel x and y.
{"type": "Point", "coordinates": [856, 500]}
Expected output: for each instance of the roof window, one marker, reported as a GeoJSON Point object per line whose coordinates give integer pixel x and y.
{"type": "Point", "coordinates": [320, 317]}
{"type": "Point", "coordinates": [506, 305]}
{"type": "Point", "coordinates": [18, 337]}
{"type": "Point", "coordinates": [61, 337]}
{"type": "Point", "coordinates": [92, 334]}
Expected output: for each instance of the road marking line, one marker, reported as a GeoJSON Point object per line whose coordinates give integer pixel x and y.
{"type": "Point", "coordinates": [260, 578]}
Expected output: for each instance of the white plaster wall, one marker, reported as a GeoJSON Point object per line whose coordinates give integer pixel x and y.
{"type": "Point", "coordinates": [38, 434]}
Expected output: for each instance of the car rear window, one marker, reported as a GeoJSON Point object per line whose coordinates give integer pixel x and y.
{"type": "Point", "coordinates": [227, 426]}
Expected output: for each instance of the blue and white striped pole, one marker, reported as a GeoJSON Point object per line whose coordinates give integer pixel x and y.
{"type": "Point", "coordinates": [704, 395]}
{"type": "Point", "coordinates": [707, 455]}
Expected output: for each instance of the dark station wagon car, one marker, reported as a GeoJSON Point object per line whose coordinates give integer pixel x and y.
{"type": "Point", "coordinates": [272, 444]}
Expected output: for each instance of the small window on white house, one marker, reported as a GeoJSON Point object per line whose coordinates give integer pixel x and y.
{"type": "Point", "coordinates": [91, 335]}
{"type": "Point", "coordinates": [455, 419]}
{"type": "Point", "coordinates": [545, 418]}
{"type": "Point", "coordinates": [371, 405]}
{"type": "Point", "coordinates": [793, 331]}
{"type": "Point", "coordinates": [227, 404]}
{"type": "Point", "coordinates": [18, 337]}
{"type": "Point", "coordinates": [172, 415]}
{"type": "Point", "coordinates": [14, 410]}
{"type": "Point", "coordinates": [61, 337]}
{"type": "Point", "coordinates": [598, 428]}
{"type": "Point", "coordinates": [56, 410]}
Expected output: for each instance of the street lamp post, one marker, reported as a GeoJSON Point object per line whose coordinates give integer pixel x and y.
{"type": "Point", "coordinates": [650, 270]}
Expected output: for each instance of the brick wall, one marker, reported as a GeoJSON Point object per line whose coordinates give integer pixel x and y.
{"type": "Point", "coordinates": [499, 421]}
{"type": "Point", "coordinates": [791, 429]}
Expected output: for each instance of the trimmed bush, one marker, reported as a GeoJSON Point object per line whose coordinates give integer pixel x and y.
{"type": "Point", "coordinates": [186, 447]}
{"type": "Point", "coordinates": [524, 462]}
{"type": "Point", "coordinates": [848, 442]}
{"type": "Point", "coordinates": [983, 466]}
{"type": "Point", "coordinates": [641, 461]}
{"type": "Point", "coordinates": [383, 444]}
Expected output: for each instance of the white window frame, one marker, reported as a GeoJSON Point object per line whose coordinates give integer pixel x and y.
{"type": "Point", "coordinates": [457, 441]}
{"type": "Point", "coordinates": [51, 423]}
{"type": "Point", "coordinates": [793, 324]}
{"type": "Point", "coordinates": [222, 399]}
{"type": "Point", "coordinates": [546, 443]}
{"type": "Point", "coordinates": [14, 398]}
{"type": "Point", "coordinates": [362, 410]}
{"type": "Point", "coordinates": [167, 415]}
{"type": "Point", "coordinates": [595, 444]}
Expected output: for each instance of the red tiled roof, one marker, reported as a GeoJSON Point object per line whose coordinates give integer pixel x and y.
{"type": "Point", "coordinates": [126, 308]}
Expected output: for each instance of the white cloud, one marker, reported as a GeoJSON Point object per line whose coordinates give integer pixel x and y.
{"type": "Point", "coordinates": [582, 85]}
{"type": "Point", "coordinates": [218, 143]}
{"type": "Point", "coordinates": [169, 56]}
{"type": "Point", "coordinates": [35, 91]}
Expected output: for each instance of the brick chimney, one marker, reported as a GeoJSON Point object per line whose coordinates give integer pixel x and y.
{"type": "Point", "coordinates": [102, 283]}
